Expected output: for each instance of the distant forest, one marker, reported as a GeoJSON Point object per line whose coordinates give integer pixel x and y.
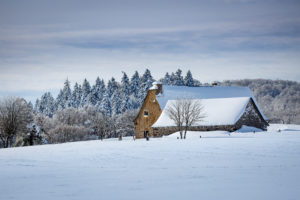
{"type": "Point", "coordinates": [279, 99]}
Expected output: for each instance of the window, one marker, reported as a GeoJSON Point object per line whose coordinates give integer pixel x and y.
{"type": "Point", "coordinates": [146, 113]}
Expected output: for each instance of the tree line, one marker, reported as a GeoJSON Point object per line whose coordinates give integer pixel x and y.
{"type": "Point", "coordinates": [102, 110]}
{"type": "Point", "coordinates": [85, 112]}
{"type": "Point", "coordinates": [110, 99]}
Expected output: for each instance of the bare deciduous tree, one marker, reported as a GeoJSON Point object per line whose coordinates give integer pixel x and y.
{"type": "Point", "coordinates": [185, 113]}
{"type": "Point", "coordinates": [67, 133]}
{"type": "Point", "coordinates": [124, 123]}
{"type": "Point", "coordinates": [15, 115]}
{"type": "Point", "coordinates": [100, 124]}
{"type": "Point", "coordinates": [175, 112]}
{"type": "Point", "coordinates": [192, 113]}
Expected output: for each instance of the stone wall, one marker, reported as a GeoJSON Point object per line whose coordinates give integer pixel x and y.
{"type": "Point", "coordinates": [160, 131]}
{"type": "Point", "coordinates": [252, 117]}
{"type": "Point", "coordinates": [143, 123]}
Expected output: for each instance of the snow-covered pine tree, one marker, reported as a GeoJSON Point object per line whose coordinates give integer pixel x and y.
{"type": "Point", "coordinates": [166, 79]}
{"type": "Point", "coordinates": [50, 110]}
{"type": "Point", "coordinates": [42, 103]}
{"type": "Point", "coordinates": [126, 103]}
{"type": "Point", "coordinates": [134, 103]}
{"type": "Point", "coordinates": [36, 105]}
{"type": "Point", "coordinates": [96, 92]}
{"type": "Point", "coordinates": [145, 83]}
{"type": "Point", "coordinates": [105, 106]}
{"type": "Point", "coordinates": [46, 105]}
{"type": "Point", "coordinates": [101, 91]}
{"type": "Point", "coordinates": [76, 96]}
{"type": "Point", "coordinates": [59, 101]}
{"type": "Point", "coordinates": [112, 86]}
{"type": "Point", "coordinates": [125, 93]}
{"type": "Point", "coordinates": [178, 78]}
{"type": "Point", "coordinates": [188, 80]}
{"type": "Point", "coordinates": [116, 101]}
{"type": "Point", "coordinates": [86, 91]}
{"type": "Point", "coordinates": [67, 94]}
{"type": "Point", "coordinates": [172, 79]}
{"type": "Point", "coordinates": [125, 86]}
{"type": "Point", "coordinates": [134, 84]}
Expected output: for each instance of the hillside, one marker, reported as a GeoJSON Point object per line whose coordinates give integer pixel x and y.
{"type": "Point", "coordinates": [279, 99]}
{"type": "Point", "coordinates": [264, 165]}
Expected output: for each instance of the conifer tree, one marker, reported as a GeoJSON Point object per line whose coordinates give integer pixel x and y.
{"type": "Point", "coordinates": [59, 102]}
{"type": "Point", "coordinates": [134, 84]}
{"type": "Point", "coordinates": [50, 105]}
{"type": "Point", "coordinates": [86, 91]}
{"type": "Point", "coordinates": [36, 105]}
{"type": "Point", "coordinates": [96, 92]}
{"type": "Point", "coordinates": [45, 105]}
{"type": "Point", "coordinates": [125, 93]}
{"type": "Point", "coordinates": [125, 86]}
{"type": "Point", "coordinates": [102, 90]}
{"type": "Point", "coordinates": [166, 79]}
{"type": "Point", "coordinates": [76, 96]}
{"type": "Point", "coordinates": [116, 103]}
{"type": "Point", "coordinates": [178, 78]}
{"type": "Point", "coordinates": [188, 80]}
{"type": "Point", "coordinates": [172, 79]}
{"type": "Point", "coordinates": [126, 104]}
{"type": "Point", "coordinates": [112, 86]}
{"type": "Point", "coordinates": [105, 106]}
{"type": "Point", "coordinates": [145, 83]}
{"type": "Point", "coordinates": [67, 94]}
{"type": "Point", "coordinates": [133, 102]}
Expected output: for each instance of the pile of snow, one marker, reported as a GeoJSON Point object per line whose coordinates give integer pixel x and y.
{"type": "Point", "coordinates": [192, 135]}
{"type": "Point", "coordinates": [220, 111]}
{"type": "Point", "coordinates": [283, 127]}
{"type": "Point", "coordinates": [246, 129]}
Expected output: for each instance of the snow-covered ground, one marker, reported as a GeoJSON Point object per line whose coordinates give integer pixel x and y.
{"type": "Point", "coordinates": [244, 165]}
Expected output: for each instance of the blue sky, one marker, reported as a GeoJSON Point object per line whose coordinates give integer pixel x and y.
{"type": "Point", "coordinates": [44, 42]}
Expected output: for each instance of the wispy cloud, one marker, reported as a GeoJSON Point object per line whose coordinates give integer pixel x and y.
{"type": "Point", "coordinates": [41, 45]}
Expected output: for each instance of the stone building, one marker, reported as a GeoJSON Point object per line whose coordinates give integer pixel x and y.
{"type": "Point", "coordinates": [225, 108]}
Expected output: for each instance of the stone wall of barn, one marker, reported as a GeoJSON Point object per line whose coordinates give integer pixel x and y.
{"type": "Point", "coordinates": [160, 131]}
{"type": "Point", "coordinates": [252, 117]}
{"type": "Point", "coordinates": [143, 123]}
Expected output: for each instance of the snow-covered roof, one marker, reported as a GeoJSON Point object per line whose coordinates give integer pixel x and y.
{"type": "Point", "coordinates": [156, 82]}
{"type": "Point", "coordinates": [203, 92]}
{"type": "Point", "coordinates": [154, 87]}
{"type": "Point", "coordinates": [219, 111]}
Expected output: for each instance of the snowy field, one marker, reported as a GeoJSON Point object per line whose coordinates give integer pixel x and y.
{"type": "Point", "coordinates": [244, 165]}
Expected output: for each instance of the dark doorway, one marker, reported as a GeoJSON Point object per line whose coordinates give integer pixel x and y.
{"type": "Point", "coordinates": [146, 135]}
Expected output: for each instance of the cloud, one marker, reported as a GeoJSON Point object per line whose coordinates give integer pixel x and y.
{"type": "Point", "coordinates": [208, 37]}
{"type": "Point", "coordinates": [42, 44]}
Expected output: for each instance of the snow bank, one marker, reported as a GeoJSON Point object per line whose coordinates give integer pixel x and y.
{"type": "Point", "coordinates": [221, 111]}
{"type": "Point", "coordinates": [246, 129]}
{"type": "Point", "coordinates": [283, 127]}
{"type": "Point", "coordinates": [192, 135]}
